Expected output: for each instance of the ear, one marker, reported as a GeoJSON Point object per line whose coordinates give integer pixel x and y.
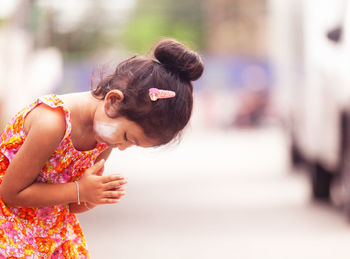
{"type": "Point", "coordinates": [111, 103]}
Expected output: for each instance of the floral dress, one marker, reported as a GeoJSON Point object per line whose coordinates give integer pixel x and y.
{"type": "Point", "coordinates": [46, 232]}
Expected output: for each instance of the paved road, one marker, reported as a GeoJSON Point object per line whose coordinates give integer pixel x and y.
{"type": "Point", "coordinates": [220, 194]}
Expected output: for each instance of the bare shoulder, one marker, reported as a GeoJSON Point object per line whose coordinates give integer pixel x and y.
{"type": "Point", "coordinates": [46, 122]}
{"type": "Point", "coordinates": [45, 128]}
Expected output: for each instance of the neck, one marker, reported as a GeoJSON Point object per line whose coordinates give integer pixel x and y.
{"type": "Point", "coordinates": [83, 107]}
{"type": "Point", "coordinates": [86, 108]}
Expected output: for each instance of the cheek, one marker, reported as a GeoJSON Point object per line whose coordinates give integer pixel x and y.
{"type": "Point", "coordinates": [106, 130]}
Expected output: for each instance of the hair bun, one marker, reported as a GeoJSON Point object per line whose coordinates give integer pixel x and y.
{"type": "Point", "coordinates": [179, 59]}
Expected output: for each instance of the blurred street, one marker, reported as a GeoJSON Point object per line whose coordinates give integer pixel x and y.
{"type": "Point", "coordinates": [219, 194]}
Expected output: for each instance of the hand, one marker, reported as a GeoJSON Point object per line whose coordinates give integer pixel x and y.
{"type": "Point", "coordinates": [98, 189]}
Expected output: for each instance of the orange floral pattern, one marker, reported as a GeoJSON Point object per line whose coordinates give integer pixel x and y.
{"type": "Point", "coordinates": [48, 232]}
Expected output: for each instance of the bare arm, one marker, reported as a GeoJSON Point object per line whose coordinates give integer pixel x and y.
{"type": "Point", "coordinates": [45, 129]}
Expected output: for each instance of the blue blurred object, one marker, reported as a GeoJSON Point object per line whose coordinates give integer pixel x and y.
{"type": "Point", "coordinates": [235, 72]}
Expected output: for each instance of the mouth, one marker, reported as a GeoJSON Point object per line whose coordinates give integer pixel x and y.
{"type": "Point", "coordinates": [101, 141]}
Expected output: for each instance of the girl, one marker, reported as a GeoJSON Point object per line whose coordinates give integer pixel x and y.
{"type": "Point", "coordinates": [52, 153]}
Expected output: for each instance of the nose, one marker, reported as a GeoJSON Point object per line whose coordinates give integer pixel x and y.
{"type": "Point", "coordinates": [125, 146]}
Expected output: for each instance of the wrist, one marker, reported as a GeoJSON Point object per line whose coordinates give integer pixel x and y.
{"type": "Point", "coordinates": [88, 205]}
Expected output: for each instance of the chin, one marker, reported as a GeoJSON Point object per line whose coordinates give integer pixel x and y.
{"type": "Point", "coordinates": [99, 140]}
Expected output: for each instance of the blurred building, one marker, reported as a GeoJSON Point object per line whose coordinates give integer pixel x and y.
{"type": "Point", "coordinates": [236, 26]}
{"type": "Point", "coordinates": [238, 74]}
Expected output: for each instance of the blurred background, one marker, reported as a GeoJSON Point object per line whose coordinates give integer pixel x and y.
{"type": "Point", "coordinates": [263, 169]}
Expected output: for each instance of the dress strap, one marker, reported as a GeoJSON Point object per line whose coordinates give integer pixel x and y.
{"type": "Point", "coordinates": [54, 102]}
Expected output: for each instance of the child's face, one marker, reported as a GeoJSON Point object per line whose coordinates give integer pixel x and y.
{"type": "Point", "coordinates": [117, 132]}
{"type": "Point", "coordinates": [120, 132]}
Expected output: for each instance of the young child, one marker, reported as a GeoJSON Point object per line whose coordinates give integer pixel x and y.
{"type": "Point", "coordinates": [52, 153]}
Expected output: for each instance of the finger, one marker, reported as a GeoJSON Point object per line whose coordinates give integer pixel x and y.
{"type": "Point", "coordinates": [95, 169]}
{"type": "Point", "coordinates": [109, 201]}
{"type": "Point", "coordinates": [111, 178]}
{"type": "Point", "coordinates": [100, 171]}
{"type": "Point", "coordinates": [98, 167]}
{"type": "Point", "coordinates": [114, 184]}
{"type": "Point", "coordinates": [114, 194]}
{"type": "Point", "coordinates": [121, 188]}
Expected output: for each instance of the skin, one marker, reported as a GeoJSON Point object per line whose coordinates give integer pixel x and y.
{"type": "Point", "coordinates": [91, 124]}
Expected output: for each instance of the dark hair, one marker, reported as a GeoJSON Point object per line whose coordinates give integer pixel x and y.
{"type": "Point", "coordinates": [173, 68]}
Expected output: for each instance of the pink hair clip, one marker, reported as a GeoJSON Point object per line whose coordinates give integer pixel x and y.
{"type": "Point", "coordinates": [155, 94]}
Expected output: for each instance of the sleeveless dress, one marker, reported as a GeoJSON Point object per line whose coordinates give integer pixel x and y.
{"type": "Point", "coordinates": [46, 232]}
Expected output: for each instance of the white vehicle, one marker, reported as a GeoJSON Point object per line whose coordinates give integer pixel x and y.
{"type": "Point", "coordinates": [310, 51]}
